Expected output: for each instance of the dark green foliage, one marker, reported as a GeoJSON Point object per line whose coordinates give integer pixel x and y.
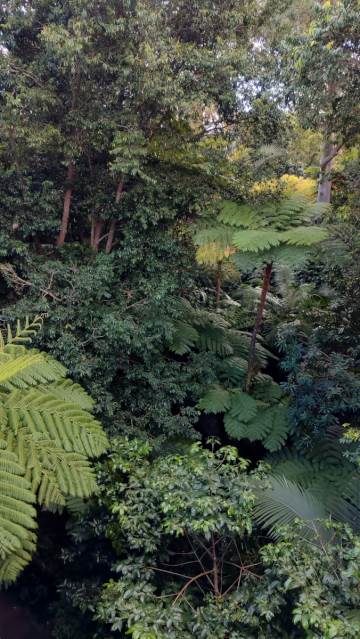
{"type": "Point", "coordinates": [156, 137]}
{"type": "Point", "coordinates": [324, 387]}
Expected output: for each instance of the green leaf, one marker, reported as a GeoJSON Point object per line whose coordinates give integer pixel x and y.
{"type": "Point", "coordinates": [254, 241]}
{"type": "Point", "coordinates": [242, 406]}
{"type": "Point", "coordinates": [236, 214]}
{"type": "Point", "coordinates": [216, 400]}
{"type": "Point", "coordinates": [292, 256]}
{"type": "Point", "coordinates": [279, 427]}
{"type": "Point", "coordinates": [184, 338]}
{"type": "Point", "coordinates": [284, 502]}
{"type": "Point", "coordinates": [305, 235]}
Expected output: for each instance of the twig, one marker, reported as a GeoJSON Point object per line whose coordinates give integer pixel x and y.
{"type": "Point", "coordinates": [186, 586]}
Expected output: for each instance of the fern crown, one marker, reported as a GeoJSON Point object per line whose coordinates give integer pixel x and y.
{"type": "Point", "coordinates": [267, 232]}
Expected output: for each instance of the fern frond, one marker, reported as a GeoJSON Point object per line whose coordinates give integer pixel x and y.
{"type": "Point", "coordinates": [222, 235]}
{"type": "Point", "coordinates": [267, 390]}
{"type": "Point", "coordinates": [213, 338]}
{"type": "Point", "coordinates": [20, 368]}
{"type": "Point", "coordinates": [304, 235]}
{"type": "Point", "coordinates": [17, 512]}
{"type": "Point", "coordinates": [237, 215]}
{"type": "Point", "coordinates": [248, 262]}
{"type": "Point", "coordinates": [242, 406]}
{"type": "Point", "coordinates": [280, 427]}
{"type": "Point", "coordinates": [49, 437]}
{"type": "Point", "coordinates": [216, 400]}
{"type": "Point", "coordinates": [184, 338]}
{"type": "Point", "coordinates": [269, 424]}
{"type": "Point", "coordinates": [214, 245]}
{"type": "Point", "coordinates": [251, 241]}
{"type": "Point", "coordinates": [233, 370]}
{"type": "Point", "coordinates": [292, 256]}
{"type": "Point", "coordinates": [71, 393]}
{"type": "Point", "coordinates": [65, 423]}
{"type": "Point", "coordinates": [22, 334]}
{"type": "Point", "coordinates": [15, 562]}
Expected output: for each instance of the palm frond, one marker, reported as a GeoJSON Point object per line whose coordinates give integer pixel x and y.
{"type": "Point", "coordinates": [283, 503]}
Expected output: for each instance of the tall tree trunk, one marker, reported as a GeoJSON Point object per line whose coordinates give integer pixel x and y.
{"type": "Point", "coordinates": [328, 153]}
{"type": "Point", "coordinates": [98, 227]}
{"type": "Point", "coordinates": [110, 238]}
{"type": "Point", "coordinates": [92, 233]}
{"type": "Point", "coordinates": [216, 584]}
{"type": "Point", "coordinates": [218, 285]}
{"type": "Point", "coordinates": [67, 203]}
{"type": "Point", "coordinates": [258, 321]}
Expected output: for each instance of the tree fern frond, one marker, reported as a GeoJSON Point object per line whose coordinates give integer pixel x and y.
{"type": "Point", "coordinates": [17, 512]}
{"type": "Point", "coordinates": [15, 562]}
{"type": "Point", "coordinates": [268, 424]}
{"type": "Point", "coordinates": [213, 253]}
{"type": "Point", "coordinates": [216, 400]}
{"type": "Point", "coordinates": [292, 256]}
{"type": "Point", "coordinates": [22, 334]}
{"type": "Point", "coordinates": [304, 235]}
{"type": "Point", "coordinates": [71, 393]}
{"type": "Point", "coordinates": [280, 427]}
{"type": "Point", "coordinates": [255, 241]}
{"type": "Point", "coordinates": [267, 390]}
{"type": "Point", "coordinates": [21, 368]}
{"type": "Point", "coordinates": [242, 406]}
{"type": "Point", "coordinates": [214, 338]}
{"type": "Point", "coordinates": [247, 262]}
{"type": "Point", "coordinates": [238, 215]}
{"type": "Point", "coordinates": [184, 338]}
{"type": "Point", "coordinates": [68, 425]}
{"type": "Point", "coordinates": [49, 436]}
{"type": "Point", "coordinates": [232, 370]}
{"type": "Point", "coordinates": [222, 235]}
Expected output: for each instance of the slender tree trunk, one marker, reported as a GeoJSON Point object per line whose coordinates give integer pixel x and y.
{"type": "Point", "coordinates": [110, 238]}
{"type": "Point", "coordinates": [327, 157]}
{"type": "Point", "coordinates": [218, 285]}
{"type": "Point", "coordinates": [67, 203]}
{"type": "Point", "coordinates": [98, 227]}
{"type": "Point", "coordinates": [92, 233]}
{"type": "Point", "coordinates": [258, 322]}
{"type": "Point", "coordinates": [215, 567]}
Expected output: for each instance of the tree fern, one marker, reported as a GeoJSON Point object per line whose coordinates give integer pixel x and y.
{"type": "Point", "coordinates": [260, 232]}
{"type": "Point", "coordinates": [48, 436]}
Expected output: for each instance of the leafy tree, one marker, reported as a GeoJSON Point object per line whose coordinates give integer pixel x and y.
{"type": "Point", "coordinates": [320, 579]}
{"type": "Point", "coordinates": [99, 88]}
{"type": "Point", "coordinates": [184, 520]}
{"type": "Point", "coordinates": [326, 83]}
{"type": "Point", "coordinates": [182, 527]}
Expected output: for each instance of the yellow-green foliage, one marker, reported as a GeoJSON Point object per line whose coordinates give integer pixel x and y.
{"type": "Point", "coordinates": [275, 230]}
{"type": "Point", "coordinates": [47, 437]}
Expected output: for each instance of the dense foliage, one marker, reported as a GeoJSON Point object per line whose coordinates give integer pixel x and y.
{"type": "Point", "coordinates": [180, 207]}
